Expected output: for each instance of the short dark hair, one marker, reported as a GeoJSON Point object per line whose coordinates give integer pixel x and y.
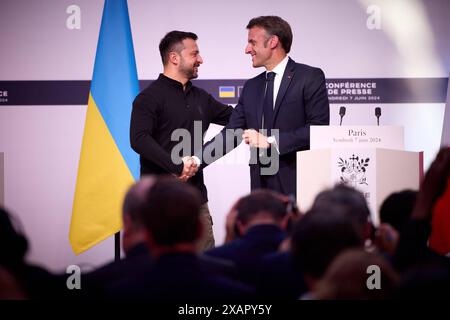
{"type": "Point", "coordinates": [260, 201]}
{"type": "Point", "coordinates": [13, 244]}
{"type": "Point", "coordinates": [318, 237]}
{"type": "Point", "coordinates": [171, 40]}
{"type": "Point", "coordinates": [274, 26]}
{"type": "Point", "coordinates": [396, 209]}
{"type": "Point", "coordinates": [171, 212]}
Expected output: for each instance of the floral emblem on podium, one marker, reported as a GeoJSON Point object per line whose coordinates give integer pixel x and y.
{"type": "Point", "coordinates": [353, 170]}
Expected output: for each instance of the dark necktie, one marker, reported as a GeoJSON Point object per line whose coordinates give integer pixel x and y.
{"type": "Point", "coordinates": [268, 102]}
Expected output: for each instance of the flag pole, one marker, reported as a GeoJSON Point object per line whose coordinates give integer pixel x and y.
{"type": "Point", "coordinates": [117, 246]}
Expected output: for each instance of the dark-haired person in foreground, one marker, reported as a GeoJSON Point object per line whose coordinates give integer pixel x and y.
{"type": "Point", "coordinates": [171, 219]}
{"type": "Point", "coordinates": [172, 102]}
{"type": "Point", "coordinates": [261, 220]}
{"type": "Point", "coordinates": [278, 278]}
{"type": "Point", "coordinates": [137, 256]}
{"type": "Point", "coordinates": [319, 236]}
{"type": "Point", "coordinates": [29, 281]}
{"type": "Point", "coordinates": [425, 272]}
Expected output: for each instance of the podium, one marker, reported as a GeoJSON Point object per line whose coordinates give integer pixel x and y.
{"type": "Point", "coordinates": [368, 158]}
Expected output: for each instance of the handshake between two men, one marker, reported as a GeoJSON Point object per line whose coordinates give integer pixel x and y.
{"type": "Point", "coordinates": [250, 136]}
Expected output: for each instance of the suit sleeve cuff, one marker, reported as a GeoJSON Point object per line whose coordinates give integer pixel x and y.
{"type": "Point", "coordinates": [272, 141]}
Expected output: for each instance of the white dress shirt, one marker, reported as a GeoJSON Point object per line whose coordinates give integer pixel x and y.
{"type": "Point", "coordinates": [279, 71]}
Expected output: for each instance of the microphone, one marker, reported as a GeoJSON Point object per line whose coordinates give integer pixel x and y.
{"type": "Point", "coordinates": [341, 113]}
{"type": "Point", "coordinates": [378, 114]}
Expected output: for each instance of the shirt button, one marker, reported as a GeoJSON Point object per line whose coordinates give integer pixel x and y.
{"type": "Point", "coordinates": [187, 106]}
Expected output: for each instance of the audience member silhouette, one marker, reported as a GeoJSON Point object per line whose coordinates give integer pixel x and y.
{"type": "Point", "coordinates": [395, 212]}
{"type": "Point", "coordinates": [440, 224]}
{"type": "Point", "coordinates": [261, 220]}
{"type": "Point", "coordinates": [137, 257]}
{"type": "Point", "coordinates": [356, 274]}
{"type": "Point", "coordinates": [34, 281]}
{"type": "Point", "coordinates": [320, 235]}
{"type": "Point", "coordinates": [413, 249]}
{"type": "Point", "coordinates": [351, 202]}
{"type": "Point", "coordinates": [426, 273]}
{"type": "Point", "coordinates": [171, 218]}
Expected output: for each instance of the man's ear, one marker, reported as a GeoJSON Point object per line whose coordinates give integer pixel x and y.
{"type": "Point", "coordinates": [240, 228]}
{"type": "Point", "coordinates": [174, 58]}
{"type": "Point", "coordinates": [127, 223]}
{"type": "Point", "coordinates": [284, 224]}
{"type": "Point", "coordinates": [274, 42]}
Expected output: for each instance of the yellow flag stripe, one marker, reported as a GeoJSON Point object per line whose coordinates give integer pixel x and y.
{"type": "Point", "coordinates": [103, 178]}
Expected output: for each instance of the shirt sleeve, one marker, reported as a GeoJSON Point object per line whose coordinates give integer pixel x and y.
{"type": "Point", "coordinates": [142, 127]}
{"type": "Point", "coordinates": [220, 113]}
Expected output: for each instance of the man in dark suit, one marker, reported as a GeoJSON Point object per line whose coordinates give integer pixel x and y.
{"type": "Point", "coordinates": [284, 101]}
{"type": "Point", "coordinates": [261, 220]}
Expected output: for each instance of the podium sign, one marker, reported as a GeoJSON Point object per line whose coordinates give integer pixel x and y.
{"type": "Point", "coordinates": [388, 137]}
{"type": "Point", "coordinates": [362, 160]}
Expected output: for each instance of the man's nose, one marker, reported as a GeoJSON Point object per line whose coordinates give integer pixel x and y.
{"type": "Point", "coordinates": [248, 49]}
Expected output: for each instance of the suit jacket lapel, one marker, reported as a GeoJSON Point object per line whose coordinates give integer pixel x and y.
{"type": "Point", "coordinates": [285, 82]}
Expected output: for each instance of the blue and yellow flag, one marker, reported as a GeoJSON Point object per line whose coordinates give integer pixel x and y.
{"type": "Point", "coordinates": [227, 92]}
{"type": "Point", "coordinates": [108, 165]}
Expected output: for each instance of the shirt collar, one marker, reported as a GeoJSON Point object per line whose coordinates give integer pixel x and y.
{"type": "Point", "coordinates": [174, 83]}
{"type": "Point", "coordinates": [279, 69]}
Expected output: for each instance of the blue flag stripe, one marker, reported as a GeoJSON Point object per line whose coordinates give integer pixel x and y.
{"type": "Point", "coordinates": [115, 83]}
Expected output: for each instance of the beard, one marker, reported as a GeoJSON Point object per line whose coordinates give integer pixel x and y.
{"type": "Point", "coordinates": [190, 71]}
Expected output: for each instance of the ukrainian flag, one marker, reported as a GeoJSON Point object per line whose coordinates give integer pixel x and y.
{"type": "Point", "coordinates": [226, 92]}
{"type": "Point", "coordinates": [108, 165]}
